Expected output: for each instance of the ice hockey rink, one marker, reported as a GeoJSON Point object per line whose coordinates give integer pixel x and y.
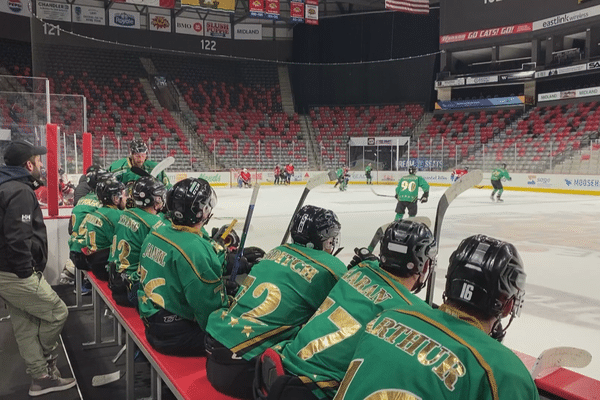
{"type": "Point", "coordinates": [557, 236]}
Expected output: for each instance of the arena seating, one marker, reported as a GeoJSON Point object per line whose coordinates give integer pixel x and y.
{"type": "Point", "coordinates": [333, 126]}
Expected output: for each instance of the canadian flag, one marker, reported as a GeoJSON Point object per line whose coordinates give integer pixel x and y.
{"type": "Point", "coordinates": [409, 6]}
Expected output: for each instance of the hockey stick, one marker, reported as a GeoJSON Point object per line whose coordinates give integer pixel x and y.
{"type": "Point", "coordinates": [160, 167]}
{"type": "Point", "coordinates": [560, 357]}
{"type": "Point", "coordinates": [312, 183]}
{"type": "Point", "coordinates": [101, 380]}
{"type": "Point", "coordinates": [381, 195]}
{"type": "Point", "coordinates": [381, 230]}
{"type": "Point", "coordinates": [465, 182]}
{"type": "Point", "coordinates": [240, 249]}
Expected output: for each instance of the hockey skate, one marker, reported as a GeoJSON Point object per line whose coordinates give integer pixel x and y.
{"type": "Point", "coordinates": [492, 197]}
{"type": "Point", "coordinates": [499, 200]}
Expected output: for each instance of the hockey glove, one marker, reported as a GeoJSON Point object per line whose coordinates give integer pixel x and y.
{"type": "Point", "coordinates": [425, 197]}
{"type": "Point", "coordinates": [244, 265]}
{"type": "Point", "coordinates": [253, 254]}
{"type": "Point", "coordinates": [361, 255]}
{"type": "Point", "coordinates": [231, 287]}
{"type": "Point", "coordinates": [231, 240]}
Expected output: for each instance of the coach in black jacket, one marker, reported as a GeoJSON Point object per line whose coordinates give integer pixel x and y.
{"type": "Point", "coordinates": [37, 313]}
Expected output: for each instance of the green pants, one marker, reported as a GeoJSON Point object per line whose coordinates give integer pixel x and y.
{"type": "Point", "coordinates": [37, 315]}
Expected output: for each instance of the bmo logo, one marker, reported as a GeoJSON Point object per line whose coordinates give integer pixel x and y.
{"type": "Point", "coordinates": [491, 1]}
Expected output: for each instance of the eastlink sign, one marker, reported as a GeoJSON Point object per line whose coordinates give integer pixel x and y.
{"type": "Point", "coordinates": [248, 32]}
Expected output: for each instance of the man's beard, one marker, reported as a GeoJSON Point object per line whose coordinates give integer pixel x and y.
{"type": "Point", "coordinates": [37, 174]}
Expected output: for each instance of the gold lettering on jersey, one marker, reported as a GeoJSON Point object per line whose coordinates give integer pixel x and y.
{"type": "Point", "coordinates": [450, 370]}
{"type": "Point", "coordinates": [155, 254]}
{"type": "Point", "coordinates": [445, 365]}
{"type": "Point", "coordinates": [92, 219]}
{"type": "Point", "coordinates": [129, 223]}
{"type": "Point", "coordinates": [361, 283]}
{"type": "Point", "coordinates": [306, 271]}
{"type": "Point", "coordinates": [89, 202]}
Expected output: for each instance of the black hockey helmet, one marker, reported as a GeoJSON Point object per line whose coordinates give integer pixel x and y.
{"type": "Point", "coordinates": [109, 191]}
{"type": "Point", "coordinates": [148, 191]}
{"type": "Point", "coordinates": [503, 165]}
{"type": "Point", "coordinates": [191, 201]}
{"type": "Point", "coordinates": [485, 273]}
{"type": "Point", "coordinates": [138, 146]}
{"type": "Point", "coordinates": [412, 170]}
{"type": "Point", "coordinates": [94, 174]}
{"type": "Point", "coordinates": [313, 226]}
{"type": "Point", "coordinates": [406, 248]}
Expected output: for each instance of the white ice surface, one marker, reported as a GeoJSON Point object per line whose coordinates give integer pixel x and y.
{"type": "Point", "coordinates": [557, 235]}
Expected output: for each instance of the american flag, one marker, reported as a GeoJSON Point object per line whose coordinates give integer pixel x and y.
{"type": "Point", "coordinates": [409, 6]}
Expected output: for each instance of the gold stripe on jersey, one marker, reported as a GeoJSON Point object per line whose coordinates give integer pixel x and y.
{"type": "Point", "coordinates": [445, 369]}
{"type": "Point", "coordinates": [137, 217]}
{"type": "Point", "coordinates": [187, 258]}
{"type": "Point", "coordinates": [260, 338]}
{"type": "Point", "coordinates": [312, 259]}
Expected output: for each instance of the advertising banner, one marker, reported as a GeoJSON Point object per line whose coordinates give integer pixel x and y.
{"type": "Point", "coordinates": [88, 15]}
{"type": "Point", "coordinates": [482, 79]}
{"type": "Point", "coordinates": [223, 5]}
{"type": "Point", "coordinates": [450, 83]}
{"type": "Point", "coordinates": [257, 8]}
{"type": "Point", "coordinates": [296, 11]}
{"type": "Point", "coordinates": [569, 94]}
{"type": "Point", "coordinates": [160, 23]}
{"type": "Point", "coordinates": [480, 103]}
{"type": "Point", "coordinates": [311, 15]}
{"type": "Point", "coordinates": [124, 19]}
{"type": "Point", "coordinates": [379, 141]}
{"type": "Point", "coordinates": [248, 32]}
{"type": "Point", "coordinates": [151, 3]}
{"type": "Point", "coordinates": [189, 26]}
{"type": "Point", "coordinates": [54, 11]}
{"type": "Point", "coordinates": [16, 7]}
{"type": "Point", "coordinates": [473, 15]}
{"type": "Point", "coordinates": [217, 29]}
{"type": "Point", "coordinates": [272, 9]}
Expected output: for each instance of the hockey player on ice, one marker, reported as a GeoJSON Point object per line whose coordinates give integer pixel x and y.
{"type": "Point", "coordinates": [498, 175]}
{"type": "Point", "coordinates": [407, 193]}
{"type": "Point", "coordinates": [244, 179]}
{"type": "Point", "coordinates": [458, 172]}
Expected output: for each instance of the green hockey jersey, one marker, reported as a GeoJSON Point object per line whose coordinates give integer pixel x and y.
{"type": "Point", "coordinates": [430, 354]}
{"type": "Point", "coordinates": [279, 295]}
{"type": "Point", "coordinates": [85, 205]}
{"type": "Point", "coordinates": [100, 226]}
{"type": "Point", "coordinates": [323, 348]}
{"type": "Point", "coordinates": [500, 173]}
{"type": "Point", "coordinates": [131, 230]}
{"type": "Point", "coordinates": [122, 171]}
{"type": "Point", "coordinates": [181, 271]}
{"type": "Point", "coordinates": [408, 187]}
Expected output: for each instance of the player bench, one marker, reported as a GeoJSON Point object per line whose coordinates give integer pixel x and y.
{"type": "Point", "coordinates": [561, 383]}
{"type": "Point", "coordinates": [184, 376]}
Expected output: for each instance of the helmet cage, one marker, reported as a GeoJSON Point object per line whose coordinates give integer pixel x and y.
{"type": "Point", "coordinates": [138, 146]}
